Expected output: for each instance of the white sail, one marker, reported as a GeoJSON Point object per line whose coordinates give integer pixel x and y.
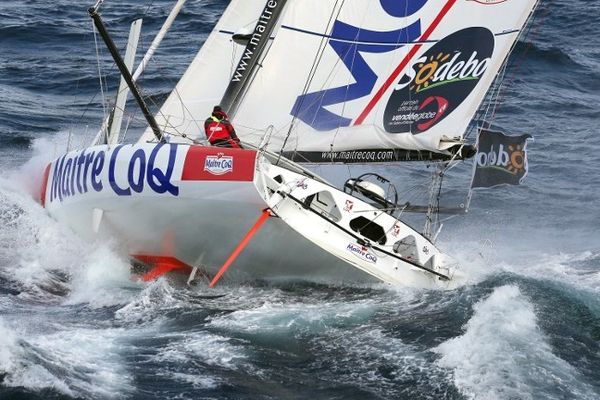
{"type": "Point", "coordinates": [360, 79]}
{"type": "Point", "coordinates": [381, 75]}
{"type": "Point", "coordinates": [203, 84]}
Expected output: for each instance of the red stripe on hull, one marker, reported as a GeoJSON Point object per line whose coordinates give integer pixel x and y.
{"type": "Point", "coordinates": [203, 163]}
{"type": "Point", "coordinates": [44, 186]}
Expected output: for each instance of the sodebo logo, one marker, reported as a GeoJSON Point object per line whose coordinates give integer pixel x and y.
{"type": "Point", "coordinates": [439, 81]}
{"type": "Point", "coordinates": [512, 161]}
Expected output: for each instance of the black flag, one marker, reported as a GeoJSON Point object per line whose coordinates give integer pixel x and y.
{"type": "Point", "coordinates": [500, 159]}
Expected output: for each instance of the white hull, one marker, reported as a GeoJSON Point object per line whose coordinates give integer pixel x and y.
{"type": "Point", "coordinates": [196, 204]}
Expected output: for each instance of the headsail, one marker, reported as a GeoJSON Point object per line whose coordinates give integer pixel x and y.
{"type": "Point", "coordinates": [363, 81]}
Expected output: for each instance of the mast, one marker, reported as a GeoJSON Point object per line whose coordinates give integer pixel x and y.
{"type": "Point", "coordinates": [252, 53]}
{"type": "Point", "coordinates": [432, 223]}
{"type": "Point", "coordinates": [125, 72]}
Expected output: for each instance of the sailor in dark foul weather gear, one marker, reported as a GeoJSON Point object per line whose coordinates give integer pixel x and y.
{"type": "Point", "coordinates": [219, 130]}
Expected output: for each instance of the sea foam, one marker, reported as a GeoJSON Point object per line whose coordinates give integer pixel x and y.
{"type": "Point", "coordinates": [504, 354]}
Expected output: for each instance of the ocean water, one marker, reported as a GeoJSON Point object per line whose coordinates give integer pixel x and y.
{"type": "Point", "coordinates": [526, 325]}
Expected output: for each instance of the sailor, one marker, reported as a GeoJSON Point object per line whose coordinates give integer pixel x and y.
{"type": "Point", "coordinates": [219, 130]}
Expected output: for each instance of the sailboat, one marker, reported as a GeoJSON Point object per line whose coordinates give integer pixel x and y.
{"type": "Point", "coordinates": [313, 81]}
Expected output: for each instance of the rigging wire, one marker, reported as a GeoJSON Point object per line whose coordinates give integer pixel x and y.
{"type": "Point", "coordinates": [493, 98]}
{"type": "Point", "coordinates": [103, 78]}
{"type": "Point", "coordinates": [433, 206]}
{"type": "Point", "coordinates": [313, 70]}
{"type": "Point", "coordinates": [132, 116]}
{"type": "Point", "coordinates": [496, 93]}
{"type": "Point", "coordinates": [170, 129]}
{"type": "Point", "coordinates": [173, 130]}
{"type": "Point", "coordinates": [353, 48]}
{"type": "Point", "coordinates": [521, 59]}
{"type": "Point", "coordinates": [150, 5]}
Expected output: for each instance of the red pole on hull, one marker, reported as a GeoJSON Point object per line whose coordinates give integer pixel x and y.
{"type": "Point", "coordinates": [263, 217]}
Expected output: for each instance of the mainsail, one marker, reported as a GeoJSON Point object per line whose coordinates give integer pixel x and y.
{"type": "Point", "coordinates": [355, 80]}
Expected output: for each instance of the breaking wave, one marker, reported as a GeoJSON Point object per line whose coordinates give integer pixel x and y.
{"type": "Point", "coordinates": [504, 354]}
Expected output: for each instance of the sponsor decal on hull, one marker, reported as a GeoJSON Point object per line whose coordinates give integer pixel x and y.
{"type": "Point", "coordinates": [96, 170]}
{"type": "Point", "coordinates": [396, 229]}
{"type": "Point", "coordinates": [205, 163]}
{"type": "Point", "coordinates": [302, 184]}
{"type": "Point", "coordinates": [362, 252]}
{"type": "Point", "coordinates": [439, 81]}
{"type": "Point", "coordinates": [348, 206]}
{"type": "Point", "coordinates": [44, 187]}
{"type": "Point", "coordinates": [219, 164]}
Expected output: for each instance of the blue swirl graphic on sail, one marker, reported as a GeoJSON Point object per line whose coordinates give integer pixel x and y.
{"type": "Point", "coordinates": [348, 42]}
{"type": "Point", "coordinates": [402, 8]}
